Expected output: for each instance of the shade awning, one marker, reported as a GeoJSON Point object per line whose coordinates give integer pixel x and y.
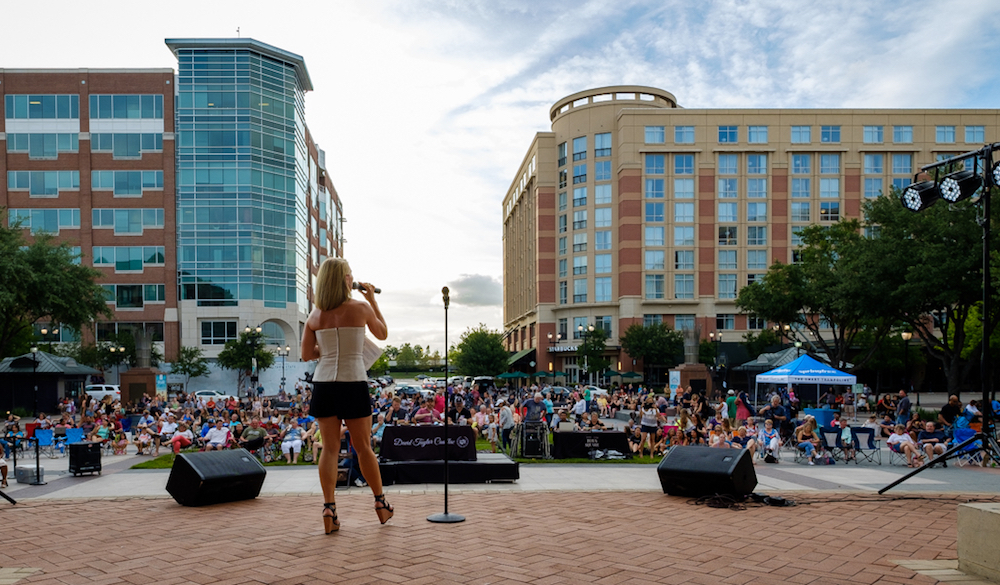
{"type": "Point", "coordinates": [806, 370]}
{"type": "Point", "coordinates": [520, 356]}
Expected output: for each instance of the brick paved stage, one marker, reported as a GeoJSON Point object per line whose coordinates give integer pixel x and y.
{"type": "Point", "coordinates": [515, 538]}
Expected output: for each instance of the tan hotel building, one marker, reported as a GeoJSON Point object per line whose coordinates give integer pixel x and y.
{"type": "Point", "coordinates": [636, 210]}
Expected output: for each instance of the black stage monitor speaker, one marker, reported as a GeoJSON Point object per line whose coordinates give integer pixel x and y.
{"type": "Point", "coordinates": [213, 477]}
{"type": "Point", "coordinates": [703, 471]}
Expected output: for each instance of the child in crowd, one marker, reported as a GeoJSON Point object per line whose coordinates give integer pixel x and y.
{"type": "Point", "coordinates": [491, 432]}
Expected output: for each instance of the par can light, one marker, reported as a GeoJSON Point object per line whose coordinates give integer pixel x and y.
{"type": "Point", "coordinates": [960, 185]}
{"type": "Point", "coordinates": [920, 196]}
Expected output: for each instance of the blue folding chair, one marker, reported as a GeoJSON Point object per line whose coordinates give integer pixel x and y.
{"type": "Point", "coordinates": [972, 454]}
{"type": "Point", "coordinates": [865, 445]}
{"type": "Point", "coordinates": [71, 436]}
{"type": "Point", "coordinates": [46, 443]}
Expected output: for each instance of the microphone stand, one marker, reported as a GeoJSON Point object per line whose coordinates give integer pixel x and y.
{"type": "Point", "coordinates": [446, 518]}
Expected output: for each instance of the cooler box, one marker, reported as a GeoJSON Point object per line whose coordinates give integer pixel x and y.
{"type": "Point", "coordinates": [27, 474]}
{"type": "Point", "coordinates": [84, 457]}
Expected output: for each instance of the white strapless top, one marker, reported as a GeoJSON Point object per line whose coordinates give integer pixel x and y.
{"type": "Point", "coordinates": [340, 358]}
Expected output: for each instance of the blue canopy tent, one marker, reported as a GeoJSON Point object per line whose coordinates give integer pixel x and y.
{"type": "Point", "coordinates": [804, 370]}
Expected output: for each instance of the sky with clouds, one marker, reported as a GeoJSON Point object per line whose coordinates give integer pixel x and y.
{"type": "Point", "coordinates": [425, 108]}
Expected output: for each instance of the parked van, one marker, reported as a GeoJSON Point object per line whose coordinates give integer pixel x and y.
{"type": "Point", "coordinates": [99, 391]}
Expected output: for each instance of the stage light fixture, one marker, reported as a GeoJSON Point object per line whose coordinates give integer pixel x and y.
{"type": "Point", "coordinates": [960, 185]}
{"type": "Point", "coordinates": [996, 174]}
{"type": "Point", "coordinates": [920, 196]}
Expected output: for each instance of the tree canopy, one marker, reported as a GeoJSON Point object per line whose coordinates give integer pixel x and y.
{"type": "Point", "coordinates": [655, 344]}
{"type": "Point", "coordinates": [591, 351]}
{"type": "Point", "coordinates": [481, 352]}
{"type": "Point", "coordinates": [43, 280]}
{"type": "Point", "coordinates": [190, 363]}
{"type": "Point", "coordinates": [238, 355]}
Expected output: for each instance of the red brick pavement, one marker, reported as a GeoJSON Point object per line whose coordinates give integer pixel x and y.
{"type": "Point", "coordinates": [508, 538]}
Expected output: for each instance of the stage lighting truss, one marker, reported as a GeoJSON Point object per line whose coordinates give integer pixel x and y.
{"type": "Point", "coordinates": [960, 185]}
{"type": "Point", "coordinates": [920, 196]}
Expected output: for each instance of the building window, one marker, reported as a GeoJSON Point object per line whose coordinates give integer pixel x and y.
{"type": "Point", "coordinates": [975, 134]}
{"type": "Point", "coordinates": [873, 187]}
{"type": "Point", "coordinates": [829, 164]}
{"type": "Point", "coordinates": [683, 134]}
{"type": "Point", "coordinates": [562, 201]}
{"type": "Point", "coordinates": [727, 236]}
{"type": "Point", "coordinates": [580, 219]}
{"type": "Point", "coordinates": [728, 164]}
{"type": "Point", "coordinates": [126, 145]}
{"type": "Point", "coordinates": [43, 183]}
{"type": "Point", "coordinates": [128, 258]}
{"type": "Point", "coordinates": [562, 245]}
{"type": "Point", "coordinates": [756, 235]}
{"type": "Point", "coordinates": [563, 174]}
{"type": "Point", "coordinates": [654, 212]}
{"type": "Point", "coordinates": [654, 188]}
{"type": "Point", "coordinates": [602, 263]}
{"type": "Point", "coordinates": [580, 242]}
{"type": "Point", "coordinates": [902, 134]}
{"type": "Point", "coordinates": [829, 211]}
{"type": "Point", "coordinates": [756, 211]}
{"type": "Point", "coordinates": [873, 164]}
{"type": "Point", "coordinates": [729, 134]}
{"type": "Point", "coordinates": [562, 223]}
{"type": "Point", "coordinates": [901, 183]}
{"type": "Point", "coordinates": [563, 288]}
{"type": "Point", "coordinates": [683, 164]}
{"type": "Point", "coordinates": [580, 290]}
{"type": "Point", "coordinates": [602, 194]}
{"type": "Point", "coordinates": [756, 323]}
{"type": "Point", "coordinates": [579, 265]}
{"type": "Point", "coordinates": [801, 164]}
{"type": "Point", "coordinates": [801, 188]}
{"type": "Point", "coordinates": [579, 174]}
{"type": "Point", "coordinates": [562, 328]}
{"type": "Point", "coordinates": [654, 259]}
{"type": "Point", "coordinates": [800, 211]}
{"type": "Point", "coordinates": [602, 170]}
{"type": "Point", "coordinates": [119, 107]}
{"type": "Point", "coordinates": [684, 260]}
{"type": "Point", "coordinates": [127, 221]}
{"type": "Point", "coordinates": [602, 293]}
{"type": "Point", "coordinates": [796, 256]}
{"type": "Point", "coordinates": [829, 188]}
{"type": "Point", "coordinates": [683, 212]}
{"type": "Point", "coordinates": [48, 221]}
{"type": "Point", "coordinates": [602, 145]}
{"type": "Point", "coordinates": [218, 332]}
{"type": "Point", "coordinates": [757, 135]}
{"type": "Point", "coordinates": [902, 164]}
{"type": "Point", "coordinates": [649, 320]}
{"type": "Point", "coordinates": [655, 135]}
{"type": "Point", "coordinates": [727, 212]}
{"type": "Point", "coordinates": [655, 164]}
{"type": "Point", "coordinates": [602, 217]}
{"type": "Point", "coordinates": [125, 183]}
{"type": "Point", "coordinates": [42, 107]}
{"type": "Point", "coordinates": [579, 196]}
{"type": "Point", "coordinates": [579, 326]}
{"type": "Point", "coordinates": [602, 240]}
{"type": "Point", "coordinates": [654, 236]}
{"type": "Point", "coordinates": [829, 134]}
{"type": "Point", "coordinates": [654, 286]}
{"type": "Point", "coordinates": [683, 286]}
{"type": "Point", "coordinates": [43, 146]}
{"type": "Point", "coordinates": [727, 260]}
{"type": "Point", "coordinates": [945, 135]}
{"type": "Point", "coordinates": [683, 235]}
{"type": "Point", "coordinates": [728, 189]}
{"type": "Point", "coordinates": [756, 188]}
{"type": "Point", "coordinates": [872, 135]}
{"type": "Point", "coordinates": [562, 268]}
{"type": "Point", "coordinates": [756, 259]}
{"type": "Point", "coordinates": [725, 322]}
{"type": "Point", "coordinates": [684, 188]}
{"type": "Point", "coordinates": [562, 154]}
{"type": "Point", "coordinates": [801, 134]}
{"type": "Point", "coordinates": [797, 234]}
{"type": "Point", "coordinates": [580, 148]}
{"type": "Point", "coordinates": [683, 322]}
{"type": "Point", "coordinates": [727, 286]}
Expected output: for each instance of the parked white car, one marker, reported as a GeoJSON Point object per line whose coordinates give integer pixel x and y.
{"type": "Point", "coordinates": [214, 395]}
{"type": "Point", "coordinates": [99, 391]}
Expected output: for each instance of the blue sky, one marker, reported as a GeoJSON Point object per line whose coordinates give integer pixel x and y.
{"type": "Point", "coordinates": [426, 108]}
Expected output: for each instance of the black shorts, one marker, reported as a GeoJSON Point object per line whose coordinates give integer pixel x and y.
{"type": "Point", "coordinates": [345, 400]}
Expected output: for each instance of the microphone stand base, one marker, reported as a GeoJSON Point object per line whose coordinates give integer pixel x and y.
{"type": "Point", "coordinates": [445, 518]}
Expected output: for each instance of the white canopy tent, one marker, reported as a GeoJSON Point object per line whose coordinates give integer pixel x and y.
{"type": "Point", "coordinates": [804, 370]}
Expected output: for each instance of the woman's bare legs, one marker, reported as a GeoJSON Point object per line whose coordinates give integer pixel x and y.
{"type": "Point", "coordinates": [329, 428]}
{"type": "Point", "coordinates": [361, 430]}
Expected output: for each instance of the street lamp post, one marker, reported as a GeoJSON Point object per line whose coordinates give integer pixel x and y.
{"type": "Point", "coordinates": [34, 380]}
{"type": "Point", "coordinates": [553, 341]}
{"type": "Point", "coordinates": [906, 335]}
{"type": "Point", "coordinates": [590, 329]}
{"type": "Point", "coordinates": [798, 349]}
{"type": "Point", "coordinates": [254, 334]}
{"type": "Point", "coordinates": [117, 353]}
{"type": "Point", "coordinates": [284, 356]}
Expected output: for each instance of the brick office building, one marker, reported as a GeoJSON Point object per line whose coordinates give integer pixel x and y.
{"type": "Point", "coordinates": [633, 209]}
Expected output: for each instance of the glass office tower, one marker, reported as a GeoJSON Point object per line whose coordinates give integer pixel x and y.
{"type": "Point", "coordinates": [243, 181]}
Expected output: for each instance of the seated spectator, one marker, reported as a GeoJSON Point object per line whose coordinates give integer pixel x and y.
{"type": "Point", "coordinates": [12, 438]}
{"type": "Point", "coordinates": [182, 438]}
{"type": "Point", "coordinates": [143, 440]}
{"type": "Point", "coordinates": [165, 432]}
{"type": "Point", "coordinates": [634, 439]}
{"type": "Point", "coordinates": [846, 440]}
{"type": "Point", "coordinates": [769, 438]}
{"type": "Point", "coordinates": [426, 414]}
{"type": "Point", "coordinates": [378, 428]}
{"type": "Point", "coordinates": [888, 425]}
{"type": "Point", "coordinates": [914, 425]}
{"type": "Point", "coordinates": [217, 437]}
{"type": "Point", "coordinates": [807, 440]}
{"type": "Point", "coordinates": [480, 420]}
{"type": "Point", "coordinates": [43, 421]}
{"type": "Point", "coordinates": [459, 414]}
{"type": "Point", "coordinates": [835, 422]}
{"type": "Point", "coordinates": [119, 441]}
{"type": "Point", "coordinates": [291, 441]}
{"type": "Point", "coordinates": [562, 416]}
{"type": "Point", "coordinates": [592, 423]}
{"type": "Point", "coordinates": [933, 442]}
{"type": "Point", "coordinates": [901, 442]}
{"type": "Point", "coordinates": [317, 444]}
{"type": "Point", "coordinates": [740, 440]}
{"type": "Point", "coordinates": [719, 438]}
{"type": "Point", "coordinates": [254, 436]}
{"type": "Point", "coordinates": [102, 433]}
{"type": "Point", "coordinates": [396, 414]}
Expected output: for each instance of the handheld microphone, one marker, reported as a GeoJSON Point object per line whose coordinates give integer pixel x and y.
{"type": "Point", "coordinates": [357, 286]}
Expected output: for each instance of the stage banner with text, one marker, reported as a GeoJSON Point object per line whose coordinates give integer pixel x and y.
{"type": "Point", "coordinates": [426, 443]}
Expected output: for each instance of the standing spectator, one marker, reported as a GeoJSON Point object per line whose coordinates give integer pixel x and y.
{"type": "Point", "coordinates": [731, 405]}
{"type": "Point", "coordinates": [533, 408]}
{"type": "Point", "coordinates": [903, 408]}
{"type": "Point", "coordinates": [506, 423]}
{"type": "Point", "coordinates": [491, 432]}
{"type": "Point", "coordinates": [847, 408]}
{"type": "Point", "coordinates": [648, 424]}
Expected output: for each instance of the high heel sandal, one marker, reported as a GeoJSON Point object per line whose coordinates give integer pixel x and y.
{"type": "Point", "coordinates": [383, 509]}
{"type": "Point", "coordinates": [330, 522]}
